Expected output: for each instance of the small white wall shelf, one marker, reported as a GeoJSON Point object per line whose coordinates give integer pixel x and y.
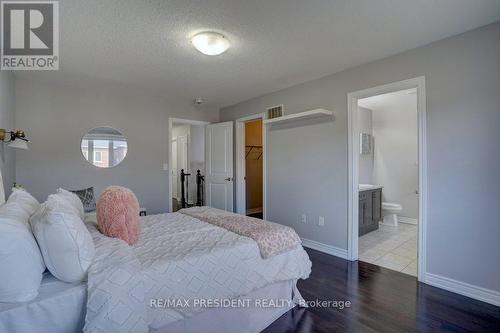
{"type": "Point", "coordinates": [306, 115]}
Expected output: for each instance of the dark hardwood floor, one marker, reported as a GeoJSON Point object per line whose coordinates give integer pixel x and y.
{"type": "Point", "coordinates": [256, 215]}
{"type": "Point", "coordinates": [382, 301]}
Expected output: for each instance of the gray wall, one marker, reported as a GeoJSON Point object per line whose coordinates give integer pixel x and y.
{"type": "Point", "coordinates": [7, 121]}
{"type": "Point", "coordinates": [56, 116]}
{"type": "Point", "coordinates": [395, 129]}
{"type": "Point", "coordinates": [307, 165]}
{"type": "Point", "coordinates": [365, 160]}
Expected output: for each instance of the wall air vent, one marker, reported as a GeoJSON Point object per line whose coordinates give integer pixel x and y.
{"type": "Point", "coordinates": [275, 111]}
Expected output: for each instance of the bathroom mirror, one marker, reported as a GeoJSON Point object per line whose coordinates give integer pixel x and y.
{"type": "Point", "coordinates": [104, 147]}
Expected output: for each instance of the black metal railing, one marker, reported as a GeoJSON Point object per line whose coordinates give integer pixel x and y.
{"type": "Point", "coordinates": [200, 189]}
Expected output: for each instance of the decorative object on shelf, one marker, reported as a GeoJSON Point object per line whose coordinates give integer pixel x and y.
{"type": "Point", "coordinates": [104, 147]}
{"type": "Point", "coordinates": [15, 139]}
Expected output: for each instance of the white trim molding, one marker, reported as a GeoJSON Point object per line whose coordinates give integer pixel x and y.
{"type": "Point", "coordinates": [171, 121]}
{"type": "Point", "coordinates": [353, 165]}
{"type": "Point", "coordinates": [462, 288]}
{"type": "Point", "coordinates": [240, 184]}
{"type": "Point", "coordinates": [328, 249]}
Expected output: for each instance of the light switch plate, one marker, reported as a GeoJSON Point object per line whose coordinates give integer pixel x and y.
{"type": "Point", "coordinates": [321, 221]}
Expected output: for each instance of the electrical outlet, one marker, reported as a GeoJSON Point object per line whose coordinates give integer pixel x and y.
{"type": "Point", "coordinates": [165, 166]}
{"type": "Point", "coordinates": [303, 218]}
{"type": "Point", "coordinates": [321, 221]}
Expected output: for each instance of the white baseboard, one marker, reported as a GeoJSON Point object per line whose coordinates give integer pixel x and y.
{"type": "Point", "coordinates": [462, 288]}
{"type": "Point", "coordinates": [407, 220]}
{"type": "Point", "coordinates": [328, 249]}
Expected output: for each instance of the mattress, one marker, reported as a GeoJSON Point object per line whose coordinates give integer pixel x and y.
{"type": "Point", "coordinates": [59, 307]}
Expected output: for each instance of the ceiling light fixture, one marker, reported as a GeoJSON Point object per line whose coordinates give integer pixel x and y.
{"type": "Point", "coordinates": [210, 43]}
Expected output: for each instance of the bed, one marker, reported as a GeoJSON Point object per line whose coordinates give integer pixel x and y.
{"type": "Point", "coordinates": [44, 313]}
{"type": "Point", "coordinates": [178, 258]}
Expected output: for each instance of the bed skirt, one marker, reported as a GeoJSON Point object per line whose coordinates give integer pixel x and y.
{"type": "Point", "coordinates": [247, 319]}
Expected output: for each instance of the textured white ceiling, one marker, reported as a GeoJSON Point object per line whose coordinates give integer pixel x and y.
{"type": "Point", "coordinates": [275, 43]}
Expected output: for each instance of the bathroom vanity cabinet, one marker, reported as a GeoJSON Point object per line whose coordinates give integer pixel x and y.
{"type": "Point", "coordinates": [370, 210]}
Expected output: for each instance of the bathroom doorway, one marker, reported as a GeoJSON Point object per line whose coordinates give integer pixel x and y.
{"type": "Point", "coordinates": [386, 176]}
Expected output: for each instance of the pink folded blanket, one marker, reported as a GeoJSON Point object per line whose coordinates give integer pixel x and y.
{"type": "Point", "coordinates": [272, 238]}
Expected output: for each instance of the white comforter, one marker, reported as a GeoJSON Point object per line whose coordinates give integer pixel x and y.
{"type": "Point", "coordinates": [177, 258]}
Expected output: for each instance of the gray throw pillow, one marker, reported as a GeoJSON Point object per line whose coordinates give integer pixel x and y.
{"type": "Point", "coordinates": [87, 198]}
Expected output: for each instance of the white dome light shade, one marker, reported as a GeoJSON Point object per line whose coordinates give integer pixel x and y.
{"type": "Point", "coordinates": [210, 43]}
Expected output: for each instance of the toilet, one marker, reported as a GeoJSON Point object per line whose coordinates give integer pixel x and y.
{"type": "Point", "coordinates": [390, 213]}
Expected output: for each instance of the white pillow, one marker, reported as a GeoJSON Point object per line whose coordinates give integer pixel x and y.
{"type": "Point", "coordinates": [65, 242]}
{"type": "Point", "coordinates": [21, 264]}
{"type": "Point", "coordinates": [74, 200]}
{"type": "Point", "coordinates": [25, 200]}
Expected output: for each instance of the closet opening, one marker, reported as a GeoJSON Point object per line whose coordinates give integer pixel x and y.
{"type": "Point", "coordinates": [251, 166]}
{"type": "Point", "coordinates": [254, 168]}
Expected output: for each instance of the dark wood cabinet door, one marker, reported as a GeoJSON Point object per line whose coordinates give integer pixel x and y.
{"type": "Point", "coordinates": [369, 211]}
{"type": "Point", "coordinates": [377, 206]}
{"type": "Point", "coordinates": [361, 214]}
{"type": "Point", "coordinates": [370, 205]}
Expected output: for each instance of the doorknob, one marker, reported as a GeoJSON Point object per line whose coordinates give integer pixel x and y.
{"type": "Point", "coordinates": [228, 179]}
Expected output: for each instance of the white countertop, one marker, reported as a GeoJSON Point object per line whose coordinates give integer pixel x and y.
{"type": "Point", "coordinates": [369, 187]}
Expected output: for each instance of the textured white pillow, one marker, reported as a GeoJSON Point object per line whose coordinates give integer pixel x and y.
{"type": "Point", "coordinates": [74, 200]}
{"type": "Point", "coordinates": [65, 242]}
{"type": "Point", "coordinates": [21, 264]}
{"type": "Point", "coordinates": [25, 200]}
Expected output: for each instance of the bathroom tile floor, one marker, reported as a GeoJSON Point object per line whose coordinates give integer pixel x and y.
{"type": "Point", "coordinates": [391, 247]}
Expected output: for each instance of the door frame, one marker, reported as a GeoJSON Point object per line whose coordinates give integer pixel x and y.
{"type": "Point", "coordinates": [171, 122]}
{"type": "Point", "coordinates": [353, 165]}
{"type": "Point", "coordinates": [240, 185]}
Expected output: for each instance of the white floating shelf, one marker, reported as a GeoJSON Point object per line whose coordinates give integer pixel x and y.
{"type": "Point", "coordinates": [306, 115]}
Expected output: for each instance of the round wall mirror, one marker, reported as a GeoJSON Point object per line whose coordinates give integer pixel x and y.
{"type": "Point", "coordinates": [104, 147]}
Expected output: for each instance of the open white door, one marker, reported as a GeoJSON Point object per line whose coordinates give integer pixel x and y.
{"type": "Point", "coordinates": [219, 164]}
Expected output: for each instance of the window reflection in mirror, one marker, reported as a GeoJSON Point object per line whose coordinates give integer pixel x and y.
{"type": "Point", "coordinates": [104, 147]}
